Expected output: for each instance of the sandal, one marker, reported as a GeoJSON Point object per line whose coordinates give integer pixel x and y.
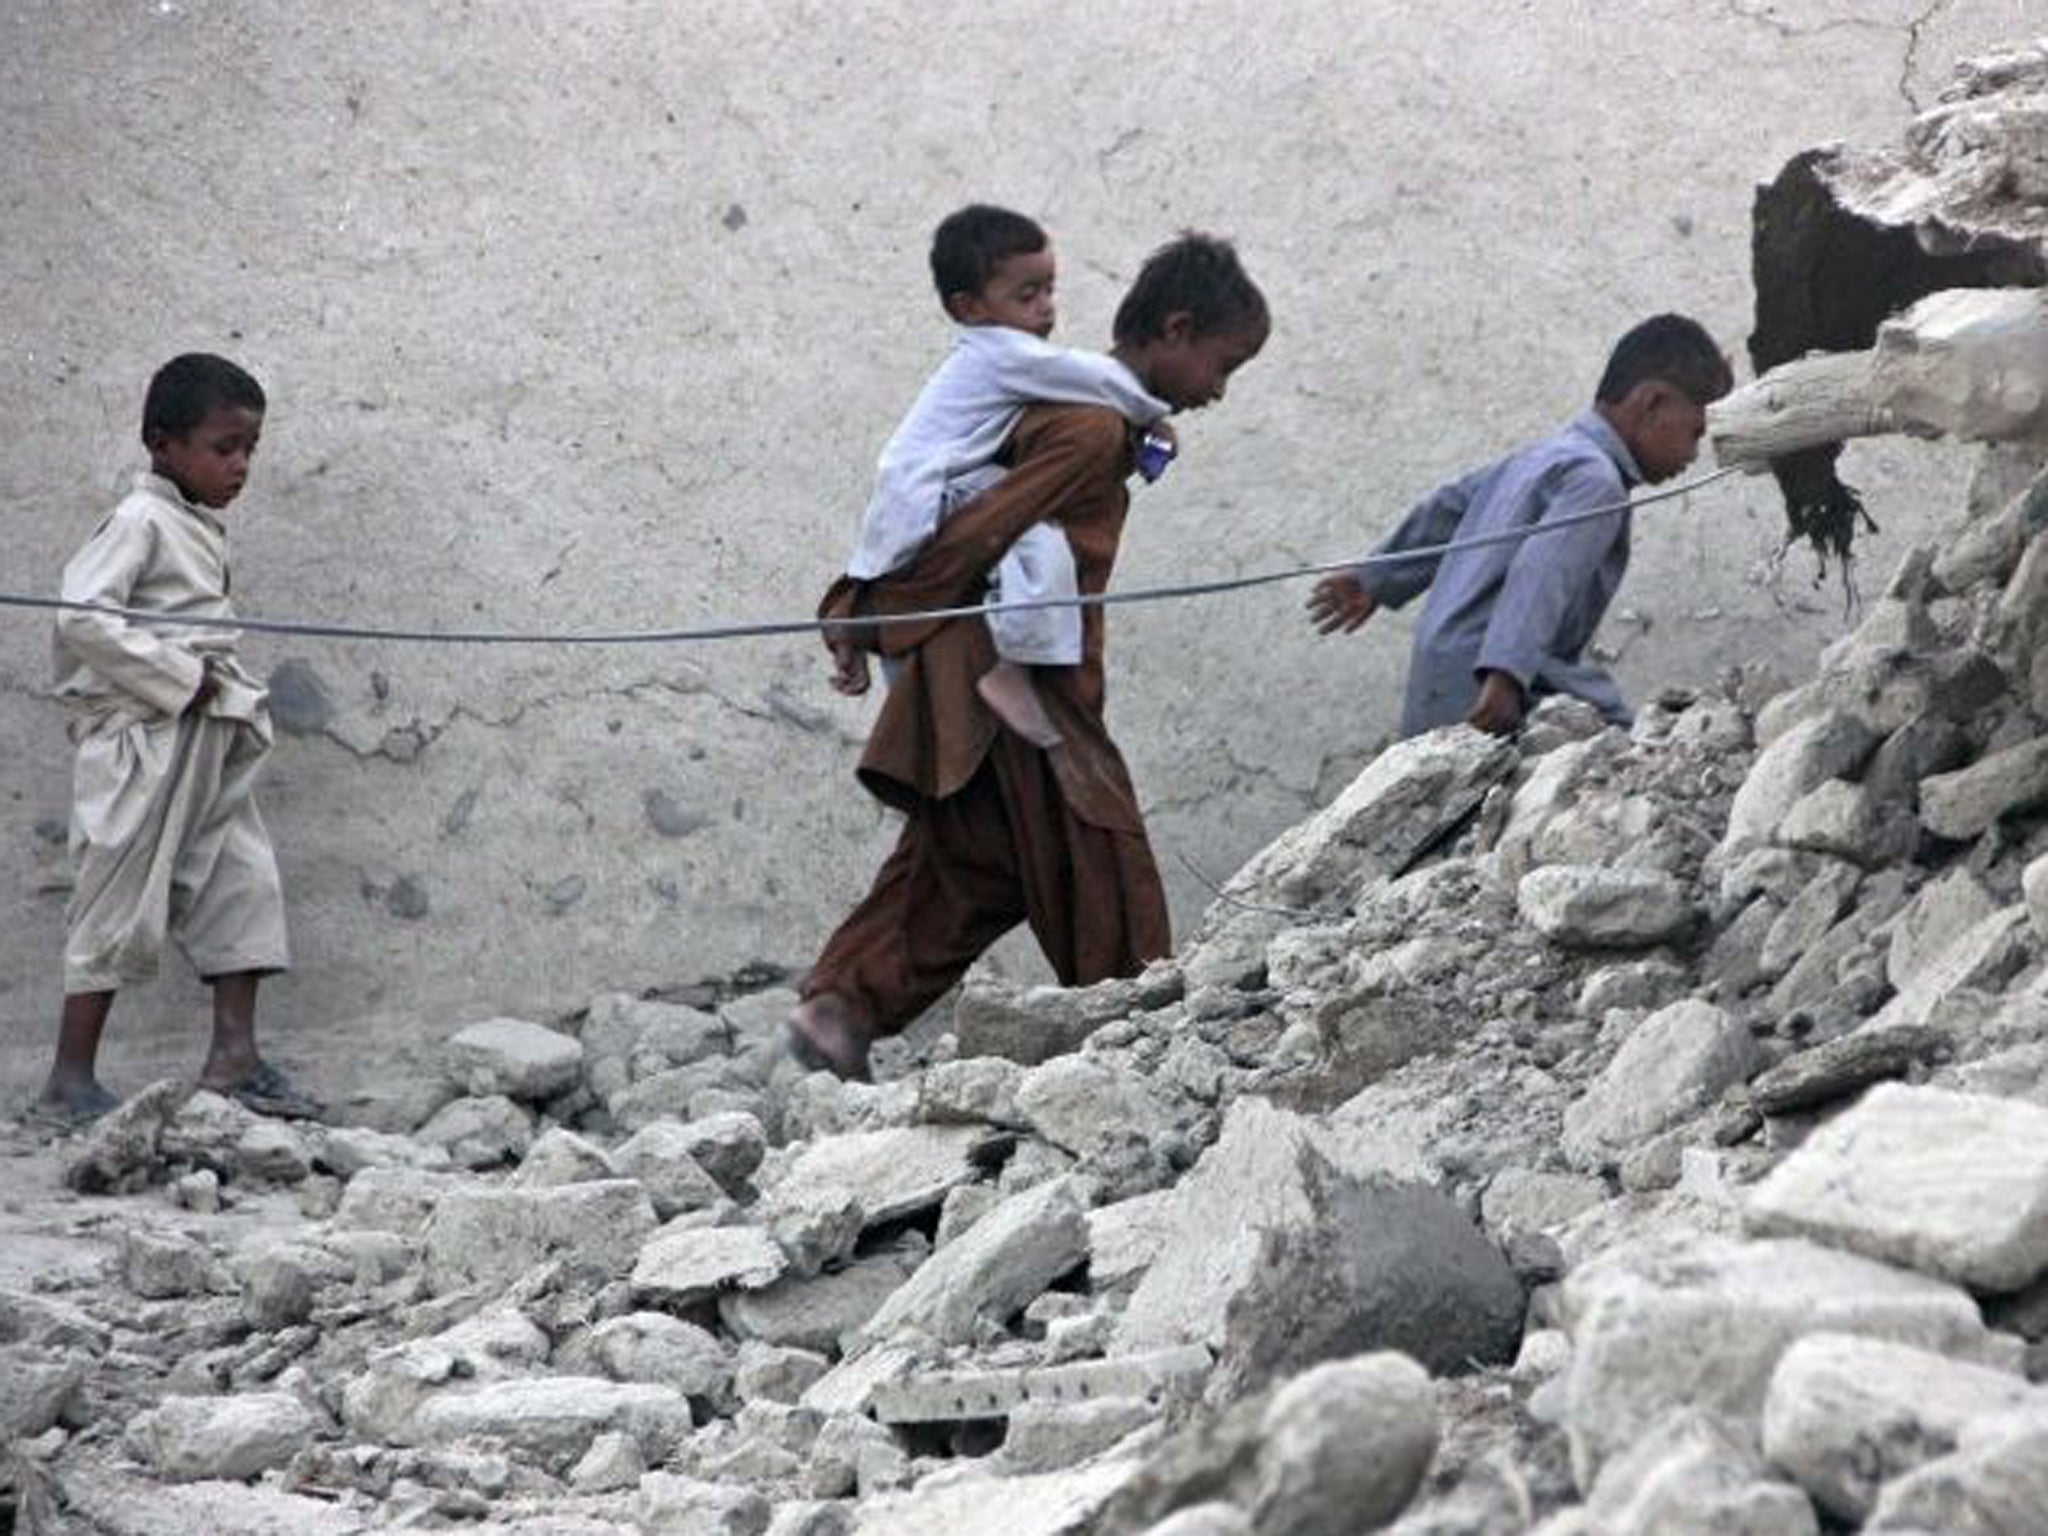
{"type": "Point", "coordinates": [268, 1091]}
{"type": "Point", "coordinates": [62, 1119]}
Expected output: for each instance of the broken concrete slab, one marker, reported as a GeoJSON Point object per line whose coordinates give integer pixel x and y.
{"type": "Point", "coordinates": [682, 1264]}
{"type": "Point", "coordinates": [1846, 1415]}
{"type": "Point", "coordinates": [1044, 1504]}
{"type": "Point", "coordinates": [993, 1269]}
{"type": "Point", "coordinates": [478, 1235]}
{"type": "Point", "coordinates": [514, 1058]}
{"type": "Point", "coordinates": [1837, 1068]}
{"type": "Point", "coordinates": [1951, 1184]}
{"type": "Point", "coordinates": [1591, 906]}
{"type": "Point", "coordinates": [945, 1396]}
{"type": "Point", "coordinates": [1399, 806]}
{"type": "Point", "coordinates": [892, 1173]}
{"type": "Point", "coordinates": [818, 1313]}
{"type": "Point", "coordinates": [189, 1439]}
{"type": "Point", "coordinates": [552, 1420]}
{"type": "Point", "coordinates": [1674, 1064]}
{"type": "Point", "coordinates": [1686, 1320]}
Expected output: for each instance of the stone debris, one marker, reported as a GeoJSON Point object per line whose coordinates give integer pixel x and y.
{"type": "Point", "coordinates": [1599, 1132]}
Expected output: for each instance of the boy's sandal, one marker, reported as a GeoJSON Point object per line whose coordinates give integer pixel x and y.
{"type": "Point", "coordinates": [62, 1119]}
{"type": "Point", "coordinates": [269, 1092]}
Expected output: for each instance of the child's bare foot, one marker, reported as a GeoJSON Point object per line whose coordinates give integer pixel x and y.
{"type": "Point", "coordinates": [1007, 689]}
{"type": "Point", "coordinates": [824, 1038]}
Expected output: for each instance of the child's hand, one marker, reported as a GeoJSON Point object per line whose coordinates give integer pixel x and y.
{"type": "Point", "coordinates": [1340, 602]}
{"type": "Point", "coordinates": [208, 689]}
{"type": "Point", "coordinates": [849, 668]}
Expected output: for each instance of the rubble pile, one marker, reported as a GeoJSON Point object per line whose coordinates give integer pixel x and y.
{"type": "Point", "coordinates": [1601, 1133]}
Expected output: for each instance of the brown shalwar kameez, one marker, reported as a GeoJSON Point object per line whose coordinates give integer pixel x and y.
{"type": "Point", "coordinates": [998, 832]}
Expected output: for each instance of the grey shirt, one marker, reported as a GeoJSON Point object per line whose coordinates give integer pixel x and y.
{"type": "Point", "coordinates": [1527, 608]}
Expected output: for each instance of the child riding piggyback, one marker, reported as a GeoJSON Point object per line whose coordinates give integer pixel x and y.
{"type": "Point", "coordinates": [995, 275]}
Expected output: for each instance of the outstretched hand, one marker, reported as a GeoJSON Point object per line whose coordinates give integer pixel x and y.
{"type": "Point", "coordinates": [1340, 602]}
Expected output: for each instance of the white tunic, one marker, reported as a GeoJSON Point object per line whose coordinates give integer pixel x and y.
{"type": "Point", "coordinates": [942, 455]}
{"type": "Point", "coordinates": [165, 833]}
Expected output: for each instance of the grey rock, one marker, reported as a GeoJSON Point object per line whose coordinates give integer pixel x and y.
{"type": "Point", "coordinates": [819, 1313]}
{"type": "Point", "coordinates": [486, 1236]}
{"type": "Point", "coordinates": [158, 1265]}
{"type": "Point", "coordinates": [553, 1420]}
{"type": "Point", "coordinates": [1673, 1065]}
{"type": "Point", "coordinates": [513, 1058]}
{"type": "Point", "coordinates": [480, 1133]}
{"type": "Point", "coordinates": [1696, 1474]}
{"type": "Point", "coordinates": [654, 1347]}
{"type": "Point", "coordinates": [1682, 1320]}
{"type": "Point", "coordinates": [1044, 1437]}
{"type": "Point", "coordinates": [612, 1463]}
{"type": "Point", "coordinates": [38, 1386]}
{"type": "Point", "coordinates": [560, 1156]}
{"type": "Point", "coordinates": [1838, 1068]}
{"type": "Point", "coordinates": [976, 1090]}
{"type": "Point", "coordinates": [991, 1271]}
{"type": "Point", "coordinates": [1634, 984]}
{"type": "Point", "coordinates": [661, 1157]}
{"type": "Point", "coordinates": [1343, 1446]}
{"type": "Point", "coordinates": [1954, 1185]}
{"type": "Point", "coordinates": [1846, 1415]}
{"type": "Point", "coordinates": [1845, 821]}
{"type": "Point", "coordinates": [1828, 745]}
{"type": "Point", "coordinates": [1994, 1484]}
{"type": "Point", "coordinates": [682, 1264]}
{"type": "Point", "coordinates": [395, 1200]}
{"type": "Point", "coordinates": [1584, 906]}
{"type": "Point", "coordinates": [191, 1438]}
{"type": "Point", "coordinates": [727, 1146]}
{"type": "Point", "coordinates": [1084, 1107]}
{"type": "Point", "coordinates": [892, 1173]}
{"type": "Point", "coordinates": [776, 1373]}
{"type": "Point", "coordinates": [1941, 912]}
{"type": "Point", "coordinates": [1968, 801]}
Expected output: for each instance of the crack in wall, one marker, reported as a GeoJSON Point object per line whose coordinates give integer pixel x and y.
{"type": "Point", "coordinates": [1912, 30]}
{"type": "Point", "coordinates": [1240, 775]}
{"type": "Point", "coordinates": [408, 742]}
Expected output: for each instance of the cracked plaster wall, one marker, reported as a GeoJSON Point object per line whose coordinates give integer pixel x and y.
{"type": "Point", "coordinates": [594, 315]}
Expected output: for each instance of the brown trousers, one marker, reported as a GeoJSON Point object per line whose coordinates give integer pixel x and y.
{"type": "Point", "coordinates": [1006, 849]}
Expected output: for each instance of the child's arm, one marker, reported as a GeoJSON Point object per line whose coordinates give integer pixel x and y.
{"type": "Point", "coordinates": [1026, 370]}
{"type": "Point", "coordinates": [1346, 600]}
{"type": "Point", "coordinates": [160, 671]}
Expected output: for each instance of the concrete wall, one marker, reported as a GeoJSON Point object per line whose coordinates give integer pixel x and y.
{"type": "Point", "coordinates": [594, 314]}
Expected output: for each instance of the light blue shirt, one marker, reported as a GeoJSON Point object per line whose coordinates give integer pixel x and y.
{"type": "Point", "coordinates": [1528, 609]}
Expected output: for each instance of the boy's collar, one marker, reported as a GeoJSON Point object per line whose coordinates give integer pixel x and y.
{"type": "Point", "coordinates": [166, 489]}
{"type": "Point", "coordinates": [1597, 427]}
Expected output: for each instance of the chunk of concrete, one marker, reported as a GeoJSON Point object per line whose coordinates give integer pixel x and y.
{"type": "Point", "coordinates": [1696, 1474]}
{"type": "Point", "coordinates": [1994, 1484]}
{"type": "Point", "coordinates": [1684, 1320]}
{"type": "Point", "coordinates": [553, 1420]}
{"type": "Point", "coordinates": [992, 1270]}
{"type": "Point", "coordinates": [1590, 906]}
{"type": "Point", "coordinates": [1951, 1184]}
{"type": "Point", "coordinates": [1846, 1415]}
{"type": "Point", "coordinates": [1969, 801]}
{"type": "Point", "coordinates": [682, 1265]}
{"type": "Point", "coordinates": [480, 1235]}
{"type": "Point", "coordinates": [1828, 745]}
{"type": "Point", "coordinates": [514, 1058]}
{"type": "Point", "coordinates": [1673, 1065]}
{"type": "Point", "coordinates": [893, 1173]}
{"type": "Point", "coordinates": [188, 1439]}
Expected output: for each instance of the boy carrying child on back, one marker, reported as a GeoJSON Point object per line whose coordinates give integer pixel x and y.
{"type": "Point", "coordinates": [995, 274]}
{"type": "Point", "coordinates": [170, 731]}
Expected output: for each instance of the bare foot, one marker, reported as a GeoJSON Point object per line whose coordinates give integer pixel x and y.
{"type": "Point", "coordinates": [824, 1038]}
{"type": "Point", "coordinates": [1007, 689]}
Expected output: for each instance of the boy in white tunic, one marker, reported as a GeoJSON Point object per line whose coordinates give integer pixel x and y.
{"type": "Point", "coordinates": [995, 274]}
{"type": "Point", "coordinates": [170, 731]}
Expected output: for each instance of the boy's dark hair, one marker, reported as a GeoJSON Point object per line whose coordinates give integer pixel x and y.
{"type": "Point", "coordinates": [1673, 349]}
{"type": "Point", "coordinates": [969, 243]}
{"type": "Point", "coordinates": [1195, 273]}
{"type": "Point", "coordinates": [189, 386]}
